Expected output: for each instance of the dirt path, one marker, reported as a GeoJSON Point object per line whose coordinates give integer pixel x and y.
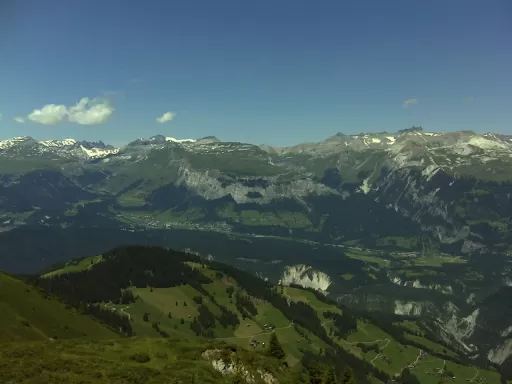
{"type": "Point", "coordinates": [327, 322]}
{"type": "Point", "coordinates": [380, 353]}
{"type": "Point", "coordinates": [415, 361]}
{"type": "Point", "coordinates": [126, 313]}
{"type": "Point", "coordinates": [94, 263]}
{"type": "Point", "coordinates": [476, 375]}
{"type": "Point", "coordinates": [366, 342]}
{"type": "Point", "coordinates": [109, 305]}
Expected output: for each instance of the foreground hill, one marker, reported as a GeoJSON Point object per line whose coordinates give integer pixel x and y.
{"type": "Point", "coordinates": [30, 314]}
{"type": "Point", "coordinates": [176, 295]}
{"type": "Point", "coordinates": [136, 361]}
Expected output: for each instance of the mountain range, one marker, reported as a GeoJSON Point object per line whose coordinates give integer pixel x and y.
{"type": "Point", "coordinates": [411, 223]}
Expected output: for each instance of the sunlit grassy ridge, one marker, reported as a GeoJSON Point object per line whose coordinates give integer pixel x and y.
{"type": "Point", "coordinates": [194, 311]}
{"type": "Point", "coordinates": [127, 361]}
{"type": "Point", "coordinates": [28, 315]}
{"type": "Point", "coordinates": [75, 266]}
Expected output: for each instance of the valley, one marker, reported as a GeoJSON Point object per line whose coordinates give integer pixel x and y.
{"type": "Point", "coordinates": [410, 224]}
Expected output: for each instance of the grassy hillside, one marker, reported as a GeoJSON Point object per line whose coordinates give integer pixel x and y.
{"type": "Point", "coordinates": [75, 266]}
{"type": "Point", "coordinates": [131, 361]}
{"type": "Point", "coordinates": [177, 296]}
{"type": "Point", "coordinates": [27, 314]}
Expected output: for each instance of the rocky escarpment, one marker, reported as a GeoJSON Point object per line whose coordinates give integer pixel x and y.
{"type": "Point", "coordinates": [306, 277]}
{"type": "Point", "coordinates": [230, 365]}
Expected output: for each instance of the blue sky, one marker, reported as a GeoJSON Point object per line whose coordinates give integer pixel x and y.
{"type": "Point", "coordinates": [278, 72]}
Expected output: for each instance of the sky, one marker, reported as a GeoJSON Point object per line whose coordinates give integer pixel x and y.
{"type": "Point", "coordinates": [278, 72]}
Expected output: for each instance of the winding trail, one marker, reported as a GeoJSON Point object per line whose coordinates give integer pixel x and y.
{"type": "Point", "coordinates": [326, 322]}
{"type": "Point", "coordinates": [367, 342]}
{"type": "Point", "coordinates": [476, 374]}
{"type": "Point", "coordinates": [380, 353]}
{"type": "Point", "coordinates": [94, 263]}
{"type": "Point", "coordinates": [126, 313]}
{"type": "Point", "coordinates": [109, 305]}
{"type": "Point", "coordinates": [415, 361]}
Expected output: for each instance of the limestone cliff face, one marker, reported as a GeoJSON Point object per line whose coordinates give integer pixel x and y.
{"type": "Point", "coordinates": [501, 353]}
{"type": "Point", "coordinates": [306, 277]}
{"type": "Point", "coordinates": [231, 365]}
{"type": "Point", "coordinates": [445, 289]}
{"type": "Point", "coordinates": [209, 185]}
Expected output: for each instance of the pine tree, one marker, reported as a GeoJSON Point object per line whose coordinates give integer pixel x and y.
{"type": "Point", "coordinates": [274, 347]}
{"type": "Point", "coordinates": [237, 378]}
{"type": "Point", "coordinates": [315, 372]}
{"type": "Point", "coordinates": [330, 376]}
{"type": "Point", "coordinates": [348, 377]}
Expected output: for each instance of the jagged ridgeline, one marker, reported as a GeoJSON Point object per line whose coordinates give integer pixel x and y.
{"type": "Point", "coordinates": [299, 335]}
{"type": "Point", "coordinates": [411, 190]}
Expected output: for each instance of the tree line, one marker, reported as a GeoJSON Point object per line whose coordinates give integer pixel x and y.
{"type": "Point", "coordinates": [121, 268]}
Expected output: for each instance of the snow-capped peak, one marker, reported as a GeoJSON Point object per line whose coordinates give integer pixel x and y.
{"type": "Point", "coordinates": [95, 153]}
{"type": "Point", "coordinates": [5, 144]}
{"type": "Point", "coordinates": [26, 146]}
{"type": "Point", "coordinates": [180, 140]}
{"type": "Point", "coordinates": [58, 143]}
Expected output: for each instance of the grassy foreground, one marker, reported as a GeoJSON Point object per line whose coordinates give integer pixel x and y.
{"type": "Point", "coordinates": [128, 360]}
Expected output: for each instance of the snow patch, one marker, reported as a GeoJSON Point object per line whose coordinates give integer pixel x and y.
{"type": "Point", "coordinates": [5, 144]}
{"type": "Point", "coordinates": [172, 139]}
{"type": "Point", "coordinates": [95, 153]}
{"type": "Point", "coordinates": [483, 143]}
{"type": "Point", "coordinates": [430, 171]}
{"type": "Point", "coordinates": [58, 143]}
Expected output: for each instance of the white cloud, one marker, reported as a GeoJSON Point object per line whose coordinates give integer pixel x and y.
{"type": "Point", "coordinates": [408, 102]}
{"type": "Point", "coordinates": [85, 112]}
{"type": "Point", "coordinates": [1, 116]}
{"type": "Point", "coordinates": [48, 115]}
{"type": "Point", "coordinates": [167, 116]}
{"type": "Point", "coordinates": [90, 112]}
{"type": "Point", "coordinates": [19, 119]}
